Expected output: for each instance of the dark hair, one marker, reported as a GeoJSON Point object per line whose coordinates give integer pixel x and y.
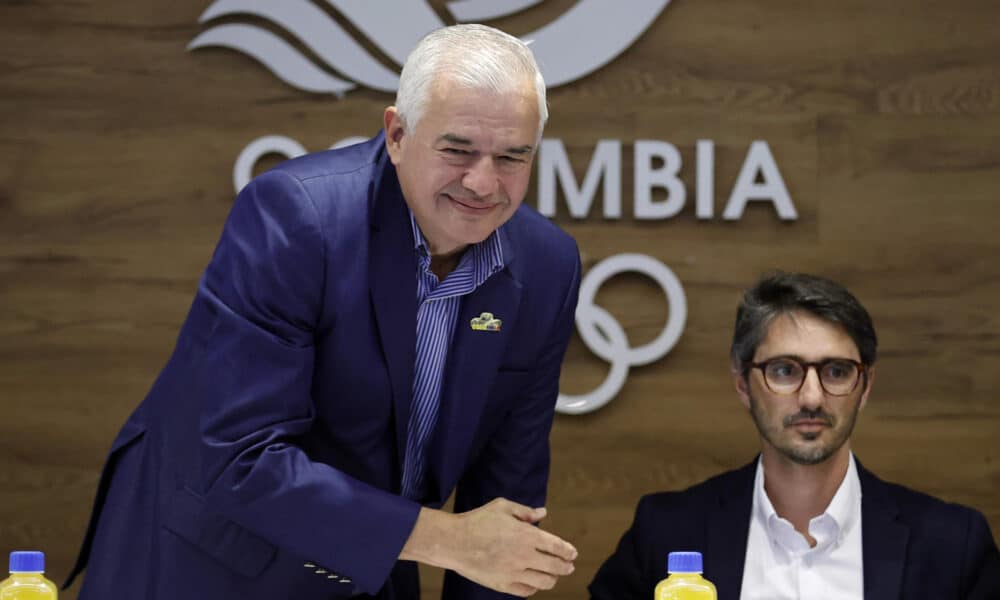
{"type": "Point", "coordinates": [782, 293]}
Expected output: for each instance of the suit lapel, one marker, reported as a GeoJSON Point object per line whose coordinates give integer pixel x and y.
{"type": "Point", "coordinates": [883, 539]}
{"type": "Point", "coordinates": [728, 529]}
{"type": "Point", "coordinates": [393, 280]}
{"type": "Point", "coordinates": [473, 360]}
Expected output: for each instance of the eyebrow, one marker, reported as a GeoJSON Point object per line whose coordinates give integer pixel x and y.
{"type": "Point", "coordinates": [802, 359]}
{"type": "Point", "coordinates": [458, 140]}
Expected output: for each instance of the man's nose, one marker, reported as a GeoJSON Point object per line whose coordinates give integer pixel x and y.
{"type": "Point", "coordinates": [811, 393]}
{"type": "Point", "coordinates": [481, 178]}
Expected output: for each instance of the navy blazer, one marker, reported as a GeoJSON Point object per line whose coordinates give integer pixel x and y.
{"type": "Point", "coordinates": [266, 460]}
{"type": "Point", "coordinates": [914, 546]}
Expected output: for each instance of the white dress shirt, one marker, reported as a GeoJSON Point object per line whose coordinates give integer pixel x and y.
{"type": "Point", "coordinates": [779, 563]}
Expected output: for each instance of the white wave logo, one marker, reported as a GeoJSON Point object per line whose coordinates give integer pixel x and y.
{"type": "Point", "coordinates": [580, 41]}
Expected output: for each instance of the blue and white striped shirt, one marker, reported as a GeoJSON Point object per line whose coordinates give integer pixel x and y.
{"type": "Point", "coordinates": [438, 307]}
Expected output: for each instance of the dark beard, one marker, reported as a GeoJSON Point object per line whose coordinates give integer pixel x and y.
{"type": "Point", "coordinates": [812, 455]}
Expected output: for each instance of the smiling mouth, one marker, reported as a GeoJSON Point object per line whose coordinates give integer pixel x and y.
{"type": "Point", "coordinates": [473, 206]}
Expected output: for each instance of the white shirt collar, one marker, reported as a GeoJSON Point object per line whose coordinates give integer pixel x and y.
{"type": "Point", "coordinates": [828, 529]}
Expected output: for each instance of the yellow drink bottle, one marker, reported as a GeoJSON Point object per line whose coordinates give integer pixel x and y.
{"type": "Point", "coordinates": [26, 581]}
{"type": "Point", "coordinates": [685, 581]}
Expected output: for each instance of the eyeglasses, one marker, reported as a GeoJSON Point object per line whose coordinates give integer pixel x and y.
{"type": "Point", "coordinates": [785, 375]}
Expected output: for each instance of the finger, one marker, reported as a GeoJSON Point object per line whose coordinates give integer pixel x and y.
{"type": "Point", "coordinates": [551, 565]}
{"type": "Point", "coordinates": [526, 513]}
{"type": "Point", "coordinates": [556, 546]}
{"type": "Point", "coordinates": [536, 515]}
{"type": "Point", "coordinates": [521, 590]}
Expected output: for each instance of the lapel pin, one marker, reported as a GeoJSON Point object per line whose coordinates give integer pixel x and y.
{"type": "Point", "coordinates": [485, 322]}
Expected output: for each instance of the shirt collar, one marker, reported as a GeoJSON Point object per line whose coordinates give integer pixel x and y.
{"type": "Point", "coordinates": [842, 513]}
{"type": "Point", "coordinates": [843, 506]}
{"type": "Point", "coordinates": [487, 257]}
{"type": "Point", "coordinates": [419, 243]}
{"type": "Point", "coordinates": [763, 509]}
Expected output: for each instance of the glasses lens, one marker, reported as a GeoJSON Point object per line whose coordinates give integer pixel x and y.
{"type": "Point", "coordinates": [838, 376]}
{"type": "Point", "coordinates": [783, 374]}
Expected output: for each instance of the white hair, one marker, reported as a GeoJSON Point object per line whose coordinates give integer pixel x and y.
{"type": "Point", "coordinates": [473, 56]}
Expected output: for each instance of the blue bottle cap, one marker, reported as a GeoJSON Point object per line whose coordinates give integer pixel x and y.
{"type": "Point", "coordinates": [27, 562]}
{"type": "Point", "coordinates": [684, 562]}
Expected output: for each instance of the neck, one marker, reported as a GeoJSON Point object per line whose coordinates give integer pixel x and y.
{"type": "Point", "coordinates": [800, 493]}
{"type": "Point", "coordinates": [444, 257]}
{"type": "Point", "coordinates": [442, 264]}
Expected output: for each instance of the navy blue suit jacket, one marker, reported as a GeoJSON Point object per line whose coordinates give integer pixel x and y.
{"type": "Point", "coordinates": [266, 460]}
{"type": "Point", "coordinates": [914, 546]}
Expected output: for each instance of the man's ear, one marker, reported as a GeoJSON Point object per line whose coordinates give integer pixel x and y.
{"type": "Point", "coordinates": [869, 380]}
{"type": "Point", "coordinates": [394, 133]}
{"type": "Point", "coordinates": [741, 382]}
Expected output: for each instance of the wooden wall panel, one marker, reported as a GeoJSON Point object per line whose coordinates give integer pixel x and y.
{"type": "Point", "coordinates": [116, 155]}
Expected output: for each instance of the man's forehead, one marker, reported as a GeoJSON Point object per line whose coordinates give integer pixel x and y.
{"type": "Point", "coordinates": [450, 98]}
{"type": "Point", "coordinates": [802, 334]}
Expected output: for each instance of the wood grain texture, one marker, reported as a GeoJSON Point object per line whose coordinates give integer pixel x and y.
{"type": "Point", "coordinates": [116, 154]}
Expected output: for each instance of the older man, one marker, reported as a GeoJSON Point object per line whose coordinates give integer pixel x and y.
{"type": "Point", "coordinates": [330, 387]}
{"type": "Point", "coordinates": [805, 520]}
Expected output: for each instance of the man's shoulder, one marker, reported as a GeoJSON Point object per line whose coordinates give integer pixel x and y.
{"type": "Point", "coordinates": [535, 236]}
{"type": "Point", "coordinates": [530, 224]}
{"type": "Point", "coordinates": [915, 506]}
{"type": "Point", "coordinates": [698, 498]}
{"type": "Point", "coordinates": [348, 161]}
{"type": "Point", "coordinates": [932, 521]}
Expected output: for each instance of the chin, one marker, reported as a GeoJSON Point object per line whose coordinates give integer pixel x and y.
{"type": "Point", "coordinates": [808, 456]}
{"type": "Point", "coordinates": [812, 452]}
{"type": "Point", "coordinates": [474, 236]}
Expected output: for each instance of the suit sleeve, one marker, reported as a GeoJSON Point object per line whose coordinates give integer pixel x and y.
{"type": "Point", "coordinates": [621, 575]}
{"type": "Point", "coordinates": [264, 290]}
{"type": "Point", "coordinates": [515, 461]}
{"type": "Point", "coordinates": [981, 566]}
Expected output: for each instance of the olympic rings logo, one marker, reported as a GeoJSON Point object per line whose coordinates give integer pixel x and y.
{"type": "Point", "coordinates": [604, 336]}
